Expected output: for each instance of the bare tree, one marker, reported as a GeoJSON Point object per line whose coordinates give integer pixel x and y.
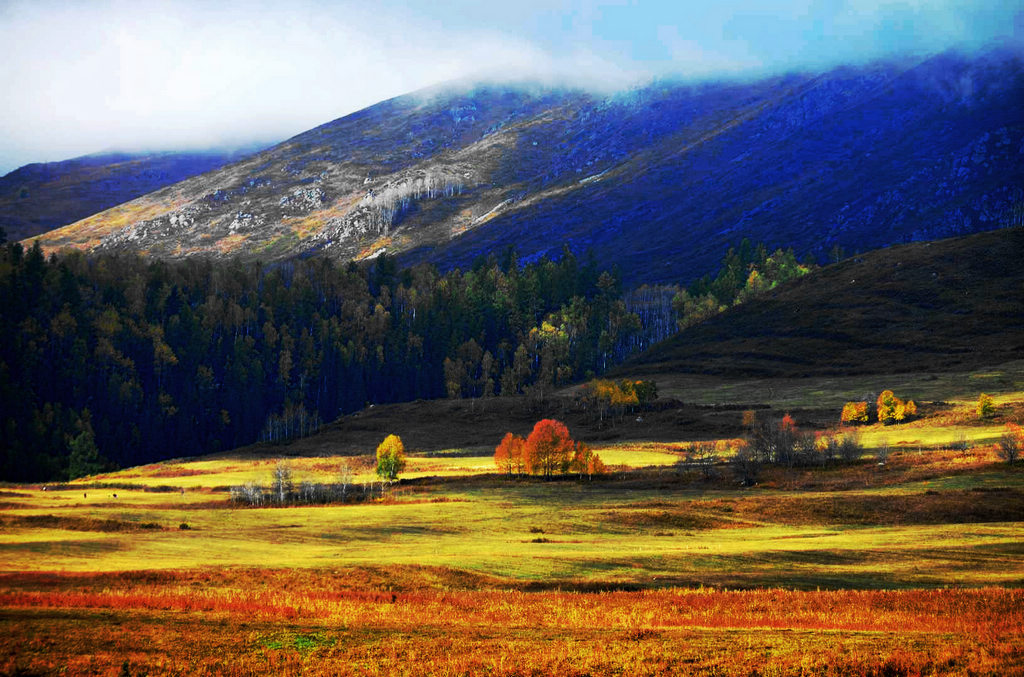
{"type": "Point", "coordinates": [344, 478]}
{"type": "Point", "coordinates": [283, 484]}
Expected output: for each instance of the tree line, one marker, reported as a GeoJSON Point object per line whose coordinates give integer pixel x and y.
{"type": "Point", "coordinates": [123, 360]}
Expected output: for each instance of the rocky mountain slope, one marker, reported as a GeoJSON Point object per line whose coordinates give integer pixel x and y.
{"type": "Point", "coordinates": [42, 196]}
{"type": "Point", "coordinates": [659, 179]}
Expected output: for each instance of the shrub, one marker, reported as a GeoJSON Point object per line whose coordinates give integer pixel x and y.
{"type": "Point", "coordinates": [986, 406]}
{"type": "Point", "coordinates": [1011, 442]}
{"type": "Point", "coordinates": [883, 451]}
{"type": "Point", "coordinates": [892, 409]}
{"type": "Point", "coordinates": [961, 443]}
{"type": "Point", "coordinates": [747, 466]}
{"type": "Point", "coordinates": [854, 413]}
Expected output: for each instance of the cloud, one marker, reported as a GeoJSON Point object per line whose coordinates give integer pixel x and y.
{"type": "Point", "coordinates": [80, 76]}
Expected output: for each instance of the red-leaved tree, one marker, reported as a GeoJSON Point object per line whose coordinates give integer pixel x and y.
{"type": "Point", "coordinates": [549, 448]}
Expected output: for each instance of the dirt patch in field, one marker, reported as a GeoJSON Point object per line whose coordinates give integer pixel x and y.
{"type": "Point", "coordinates": [929, 507]}
{"type": "Point", "coordinates": [75, 523]}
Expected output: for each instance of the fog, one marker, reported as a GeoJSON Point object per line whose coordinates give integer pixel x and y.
{"type": "Point", "coordinates": [83, 76]}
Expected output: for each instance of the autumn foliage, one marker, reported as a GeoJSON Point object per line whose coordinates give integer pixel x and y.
{"type": "Point", "coordinates": [549, 450]}
{"type": "Point", "coordinates": [606, 397]}
{"type": "Point", "coordinates": [390, 457]}
{"type": "Point", "coordinates": [892, 409]}
{"type": "Point", "coordinates": [986, 406]}
{"type": "Point", "coordinates": [267, 621]}
{"type": "Point", "coordinates": [854, 413]}
{"type": "Point", "coordinates": [508, 456]}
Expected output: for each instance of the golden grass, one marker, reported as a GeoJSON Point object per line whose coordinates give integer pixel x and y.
{"type": "Point", "coordinates": [88, 232]}
{"type": "Point", "coordinates": [460, 570]}
{"type": "Point", "coordinates": [417, 620]}
{"type": "Point", "coordinates": [313, 222]}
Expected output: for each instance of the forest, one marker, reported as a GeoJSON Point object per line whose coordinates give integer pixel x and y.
{"type": "Point", "coordinates": [117, 360]}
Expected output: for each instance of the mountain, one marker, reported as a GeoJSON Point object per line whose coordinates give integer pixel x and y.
{"type": "Point", "coordinates": [952, 304]}
{"type": "Point", "coordinates": [42, 196]}
{"type": "Point", "coordinates": [658, 180]}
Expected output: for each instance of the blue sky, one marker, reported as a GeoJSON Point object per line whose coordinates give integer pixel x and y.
{"type": "Point", "coordinates": [81, 76]}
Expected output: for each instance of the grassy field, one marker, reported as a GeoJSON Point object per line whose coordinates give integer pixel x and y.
{"type": "Point", "coordinates": [911, 567]}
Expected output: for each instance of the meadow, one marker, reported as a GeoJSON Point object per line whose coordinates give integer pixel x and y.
{"type": "Point", "coordinates": [914, 566]}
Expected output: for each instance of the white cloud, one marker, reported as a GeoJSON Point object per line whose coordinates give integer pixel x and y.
{"type": "Point", "coordinates": [80, 76]}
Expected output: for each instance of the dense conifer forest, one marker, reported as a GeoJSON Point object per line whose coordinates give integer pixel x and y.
{"type": "Point", "coordinates": [143, 360]}
{"type": "Point", "coordinates": [120, 360]}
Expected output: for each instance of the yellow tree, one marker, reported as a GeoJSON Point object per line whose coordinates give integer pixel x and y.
{"type": "Point", "coordinates": [855, 412]}
{"type": "Point", "coordinates": [390, 457]}
{"type": "Point", "coordinates": [891, 409]}
{"type": "Point", "coordinates": [986, 406]}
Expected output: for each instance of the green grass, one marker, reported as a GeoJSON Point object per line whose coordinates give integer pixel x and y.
{"type": "Point", "coordinates": [607, 533]}
{"type": "Point", "coordinates": [957, 387]}
{"type": "Point", "coordinates": [929, 517]}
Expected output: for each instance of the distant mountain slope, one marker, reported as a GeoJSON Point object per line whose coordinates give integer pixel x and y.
{"type": "Point", "coordinates": [951, 304]}
{"type": "Point", "coordinates": [40, 197]}
{"type": "Point", "coordinates": [659, 180]}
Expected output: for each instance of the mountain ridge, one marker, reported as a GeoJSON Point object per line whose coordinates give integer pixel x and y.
{"type": "Point", "coordinates": [659, 179]}
{"type": "Point", "coordinates": [42, 196]}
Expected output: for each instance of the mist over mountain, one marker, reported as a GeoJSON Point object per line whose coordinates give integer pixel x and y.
{"type": "Point", "coordinates": [658, 180]}
{"type": "Point", "coordinates": [42, 196]}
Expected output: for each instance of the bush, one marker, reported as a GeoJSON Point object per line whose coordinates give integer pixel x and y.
{"type": "Point", "coordinates": [892, 409]}
{"type": "Point", "coordinates": [1010, 443]}
{"type": "Point", "coordinates": [986, 406]}
{"type": "Point", "coordinates": [883, 451]}
{"type": "Point", "coordinates": [854, 413]}
{"type": "Point", "coordinates": [747, 466]}
{"type": "Point", "coordinates": [961, 443]}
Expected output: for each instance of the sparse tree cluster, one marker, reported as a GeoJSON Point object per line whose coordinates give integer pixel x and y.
{"type": "Point", "coordinates": [548, 450]}
{"type": "Point", "coordinates": [294, 422]}
{"type": "Point", "coordinates": [284, 490]}
{"type": "Point", "coordinates": [386, 205]}
{"type": "Point", "coordinates": [746, 273]}
{"type": "Point", "coordinates": [782, 443]}
{"type": "Point", "coordinates": [604, 398]}
{"type": "Point", "coordinates": [888, 410]}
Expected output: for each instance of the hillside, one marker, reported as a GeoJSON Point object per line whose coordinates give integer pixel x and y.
{"type": "Point", "coordinates": [39, 197]}
{"type": "Point", "coordinates": [952, 304]}
{"type": "Point", "coordinates": [658, 180]}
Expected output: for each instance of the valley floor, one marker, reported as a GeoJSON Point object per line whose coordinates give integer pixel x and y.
{"type": "Point", "coordinates": [911, 567]}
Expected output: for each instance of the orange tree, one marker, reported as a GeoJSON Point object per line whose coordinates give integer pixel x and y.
{"type": "Point", "coordinates": [585, 461]}
{"type": "Point", "coordinates": [854, 412]}
{"type": "Point", "coordinates": [548, 448]}
{"type": "Point", "coordinates": [509, 454]}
